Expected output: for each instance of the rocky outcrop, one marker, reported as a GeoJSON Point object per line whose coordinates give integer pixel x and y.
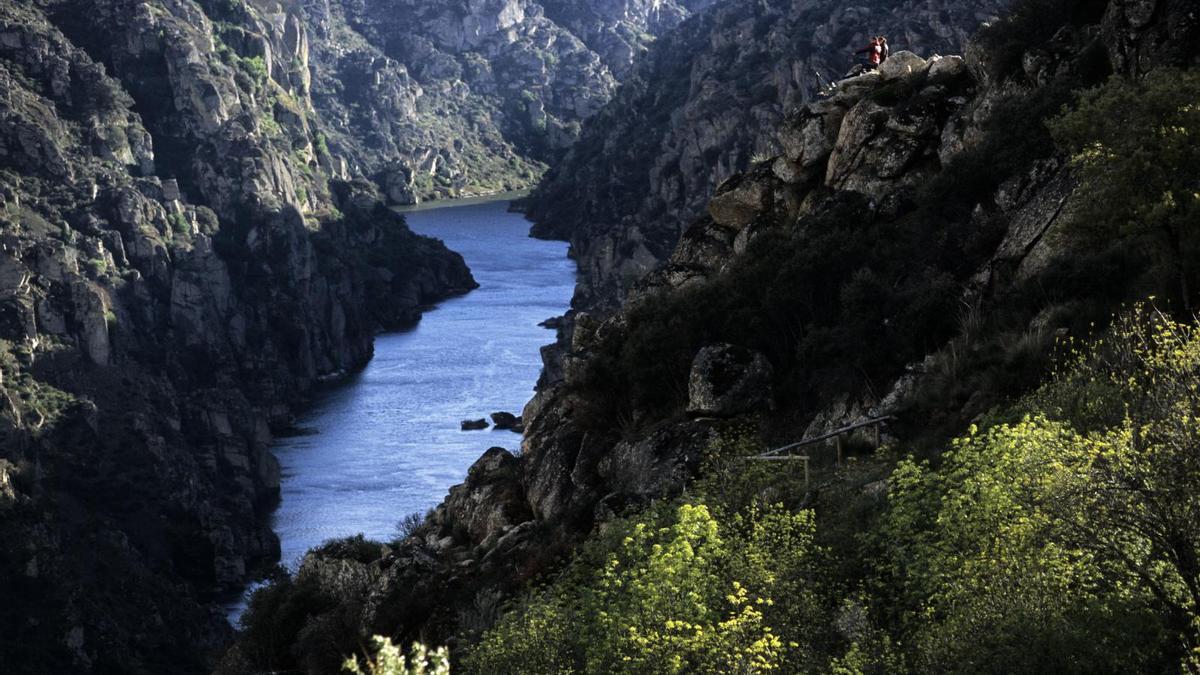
{"type": "Point", "coordinates": [507, 421]}
{"type": "Point", "coordinates": [488, 504]}
{"type": "Point", "coordinates": [178, 270]}
{"type": "Point", "coordinates": [727, 380]}
{"type": "Point", "coordinates": [699, 108]}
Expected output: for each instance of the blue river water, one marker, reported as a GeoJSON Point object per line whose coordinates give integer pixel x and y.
{"type": "Point", "coordinates": [387, 442]}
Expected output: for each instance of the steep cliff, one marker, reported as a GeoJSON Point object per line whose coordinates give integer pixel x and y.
{"type": "Point", "coordinates": [705, 101]}
{"type": "Point", "coordinates": [434, 99]}
{"type": "Point", "coordinates": [177, 273]}
{"type": "Point", "coordinates": [620, 31]}
{"type": "Point", "coordinates": [907, 251]}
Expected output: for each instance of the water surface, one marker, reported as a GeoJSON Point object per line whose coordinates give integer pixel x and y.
{"type": "Point", "coordinates": [387, 443]}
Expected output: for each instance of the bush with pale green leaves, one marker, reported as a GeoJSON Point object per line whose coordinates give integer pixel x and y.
{"type": "Point", "coordinates": [389, 660]}
{"type": "Point", "coordinates": [674, 590]}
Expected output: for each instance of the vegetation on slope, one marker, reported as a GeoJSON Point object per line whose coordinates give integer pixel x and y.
{"type": "Point", "coordinates": [1052, 535]}
{"type": "Point", "coordinates": [1063, 539]}
{"type": "Point", "coordinates": [1059, 534]}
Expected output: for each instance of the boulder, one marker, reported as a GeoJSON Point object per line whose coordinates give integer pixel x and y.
{"type": "Point", "coordinates": [809, 134]}
{"type": "Point", "coordinates": [506, 421]}
{"type": "Point", "coordinates": [489, 503]}
{"type": "Point", "coordinates": [739, 200]}
{"type": "Point", "coordinates": [727, 380]}
{"type": "Point", "coordinates": [474, 425]}
{"type": "Point", "coordinates": [946, 68]}
{"type": "Point", "coordinates": [900, 64]}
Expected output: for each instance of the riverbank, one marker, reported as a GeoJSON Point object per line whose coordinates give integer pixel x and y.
{"type": "Point", "coordinates": [386, 442]}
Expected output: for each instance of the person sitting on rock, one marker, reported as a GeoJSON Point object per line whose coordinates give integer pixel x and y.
{"type": "Point", "coordinates": [874, 51]}
{"type": "Point", "coordinates": [884, 50]}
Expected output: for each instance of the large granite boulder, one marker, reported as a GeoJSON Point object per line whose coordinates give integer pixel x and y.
{"type": "Point", "coordinates": [900, 64]}
{"type": "Point", "coordinates": [728, 380]}
{"type": "Point", "coordinates": [489, 503]}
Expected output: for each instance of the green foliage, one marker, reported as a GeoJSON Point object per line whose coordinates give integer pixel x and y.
{"type": "Point", "coordinates": [990, 574]}
{"type": "Point", "coordinates": [269, 125]}
{"type": "Point", "coordinates": [179, 223]}
{"type": "Point", "coordinates": [1067, 541]}
{"type": "Point", "coordinates": [96, 266]}
{"type": "Point", "coordinates": [256, 68]}
{"type": "Point", "coordinates": [389, 661]}
{"type": "Point", "coordinates": [670, 591]}
{"type": "Point", "coordinates": [1137, 148]}
{"type": "Point", "coordinates": [834, 304]}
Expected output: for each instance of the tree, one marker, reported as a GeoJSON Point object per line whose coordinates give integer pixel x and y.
{"type": "Point", "coordinates": [1137, 501]}
{"type": "Point", "coordinates": [1136, 144]}
{"type": "Point", "coordinates": [990, 576]}
{"type": "Point", "coordinates": [1068, 541]}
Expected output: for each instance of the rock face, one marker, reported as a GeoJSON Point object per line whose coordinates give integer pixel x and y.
{"type": "Point", "coordinates": [727, 380]}
{"type": "Point", "coordinates": [436, 99]}
{"type": "Point", "coordinates": [858, 159]}
{"type": "Point", "coordinates": [706, 100]}
{"type": "Point", "coordinates": [179, 266]}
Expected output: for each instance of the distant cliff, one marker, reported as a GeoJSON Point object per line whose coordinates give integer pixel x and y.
{"type": "Point", "coordinates": [437, 99]}
{"type": "Point", "coordinates": [180, 265]}
{"type": "Point", "coordinates": [906, 252]}
{"type": "Point", "coordinates": [703, 103]}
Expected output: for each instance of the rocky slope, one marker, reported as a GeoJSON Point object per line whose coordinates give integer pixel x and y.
{"type": "Point", "coordinates": [440, 99]}
{"type": "Point", "coordinates": [177, 273]}
{"type": "Point", "coordinates": [699, 107]}
{"type": "Point", "coordinates": [826, 279]}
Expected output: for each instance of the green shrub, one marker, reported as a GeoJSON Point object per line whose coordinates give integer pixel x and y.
{"type": "Point", "coordinates": [256, 68]}
{"type": "Point", "coordinates": [1134, 145]}
{"type": "Point", "coordinates": [179, 223]}
{"type": "Point", "coordinates": [96, 266]}
{"type": "Point", "coordinates": [670, 591]}
{"type": "Point", "coordinates": [389, 661]}
{"type": "Point", "coordinates": [1046, 544]}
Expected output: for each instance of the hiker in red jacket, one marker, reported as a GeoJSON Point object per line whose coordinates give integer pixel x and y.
{"type": "Point", "coordinates": [874, 52]}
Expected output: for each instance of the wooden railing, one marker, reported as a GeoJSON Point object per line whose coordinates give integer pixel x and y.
{"type": "Point", "coordinates": [778, 454]}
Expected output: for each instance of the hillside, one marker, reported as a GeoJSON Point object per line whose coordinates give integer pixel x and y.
{"type": "Point", "coordinates": [178, 271]}
{"type": "Point", "coordinates": [195, 234]}
{"type": "Point", "coordinates": [436, 100]}
{"type": "Point", "coordinates": [702, 104]}
{"type": "Point", "coordinates": [912, 251]}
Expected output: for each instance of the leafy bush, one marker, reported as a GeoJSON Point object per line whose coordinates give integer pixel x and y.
{"type": "Point", "coordinates": [179, 223]}
{"type": "Point", "coordinates": [256, 68]}
{"type": "Point", "coordinates": [1048, 544]}
{"type": "Point", "coordinates": [670, 591]}
{"type": "Point", "coordinates": [389, 661]}
{"type": "Point", "coordinates": [1134, 144]}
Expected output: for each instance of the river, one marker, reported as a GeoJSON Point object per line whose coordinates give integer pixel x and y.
{"type": "Point", "coordinates": [387, 442]}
